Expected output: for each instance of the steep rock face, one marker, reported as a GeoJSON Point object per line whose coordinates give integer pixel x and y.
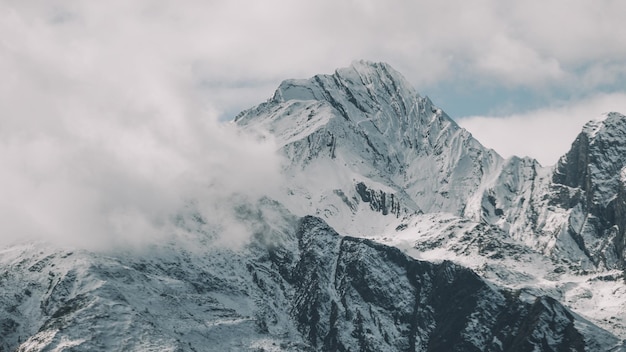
{"type": "Point", "coordinates": [591, 177]}
{"type": "Point", "coordinates": [378, 200]}
{"type": "Point", "coordinates": [365, 124]}
{"type": "Point", "coordinates": [354, 294]}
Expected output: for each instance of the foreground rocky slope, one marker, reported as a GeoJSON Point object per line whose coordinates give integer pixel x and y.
{"type": "Point", "coordinates": [297, 286]}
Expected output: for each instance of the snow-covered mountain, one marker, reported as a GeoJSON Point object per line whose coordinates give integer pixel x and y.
{"type": "Point", "coordinates": [363, 135]}
{"type": "Point", "coordinates": [376, 160]}
{"type": "Point", "coordinates": [395, 230]}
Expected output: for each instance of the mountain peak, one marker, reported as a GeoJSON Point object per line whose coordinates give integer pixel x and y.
{"type": "Point", "coordinates": [594, 168]}
{"type": "Point", "coordinates": [371, 72]}
{"type": "Point", "coordinates": [360, 83]}
{"type": "Point", "coordinates": [366, 67]}
{"type": "Point", "coordinates": [366, 119]}
{"type": "Point", "coordinates": [599, 149]}
{"type": "Point", "coordinates": [612, 123]}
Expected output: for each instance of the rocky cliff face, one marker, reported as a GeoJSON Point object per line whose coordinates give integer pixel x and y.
{"type": "Point", "coordinates": [591, 173]}
{"type": "Point", "coordinates": [372, 297]}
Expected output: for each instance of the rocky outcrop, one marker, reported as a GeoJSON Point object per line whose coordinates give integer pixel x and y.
{"type": "Point", "coordinates": [591, 173]}
{"type": "Point", "coordinates": [380, 201]}
{"type": "Point", "coordinates": [354, 294]}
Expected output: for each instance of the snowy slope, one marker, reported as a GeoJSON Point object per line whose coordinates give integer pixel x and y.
{"type": "Point", "coordinates": [190, 294]}
{"type": "Point", "coordinates": [556, 231]}
{"type": "Point", "coordinates": [296, 286]}
{"type": "Point", "coordinates": [598, 296]}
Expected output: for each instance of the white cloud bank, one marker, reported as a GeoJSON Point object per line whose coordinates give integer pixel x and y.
{"type": "Point", "coordinates": [102, 134]}
{"type": "Point", "coordinates": [238, 51]}
{"type": "Point", "coordinates": [545, 134]}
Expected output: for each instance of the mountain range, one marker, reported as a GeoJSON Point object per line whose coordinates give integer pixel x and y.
{"type": "Point", "coordinates": [394, 230]}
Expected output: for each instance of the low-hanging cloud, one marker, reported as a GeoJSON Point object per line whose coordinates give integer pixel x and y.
{"type": "Point", "coordinates": [545, 134]}
{"type": "Point", "coordinates": [103, 136]}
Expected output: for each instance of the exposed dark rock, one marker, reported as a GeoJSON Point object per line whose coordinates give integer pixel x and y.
{"type": "Point", "coordinates": [379, 201]}
{"type": "Point", "coordinates": [354, 293]}
{"type": "Point", "coordinates": [589, 180]}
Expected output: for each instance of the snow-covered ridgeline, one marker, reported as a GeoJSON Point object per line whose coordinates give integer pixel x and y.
{"type": "Point", "coordinates": [365, 126]}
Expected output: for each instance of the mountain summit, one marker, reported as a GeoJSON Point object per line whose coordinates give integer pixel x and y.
{"type": "Point", "coordinates": [375, 140]}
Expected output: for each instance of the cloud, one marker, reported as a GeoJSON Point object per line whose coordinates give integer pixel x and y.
{"type": "Point", "coordinates": [514, 63]}
{"type": "Point", "coordinates": [545, 134]}
{"type": "Point", "coordinates": [104, 137]}
{"type": "Point", "coordinates": [230, 47]}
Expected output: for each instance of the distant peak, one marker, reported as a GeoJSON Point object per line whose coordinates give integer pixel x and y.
{"type": "Point", "coordinates": [597, 154]}
{"type": "Point", "coordinates": [611, 121]}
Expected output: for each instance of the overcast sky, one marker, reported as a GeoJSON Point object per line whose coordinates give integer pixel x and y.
{"type": "Point", "coordinates": [535, 60]}
{"type": "Point", "coordinates": [128, 90]}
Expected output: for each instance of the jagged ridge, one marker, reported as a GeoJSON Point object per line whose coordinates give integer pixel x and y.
{"type": "Point", "coordinates": [365, 124]}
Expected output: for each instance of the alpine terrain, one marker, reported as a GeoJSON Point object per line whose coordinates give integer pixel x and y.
{"type": "Point", "coordinates": [394, 230]}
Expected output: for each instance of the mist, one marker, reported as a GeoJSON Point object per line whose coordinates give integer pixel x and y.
{"type": "Point", "coordinates": [545, 134]}
{"type": "Point", "coordinates": [104, 136]}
